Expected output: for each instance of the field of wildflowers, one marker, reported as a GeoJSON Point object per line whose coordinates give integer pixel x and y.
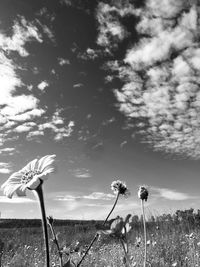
{"type": "Point", "coordinates": [163, 241]}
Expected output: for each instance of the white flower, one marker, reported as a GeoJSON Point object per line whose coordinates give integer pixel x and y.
{"type": "Point", "coordinates": [31, 176]}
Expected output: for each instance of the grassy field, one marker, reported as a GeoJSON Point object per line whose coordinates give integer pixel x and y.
{"type": "Point", "coordinates": [172, 241]}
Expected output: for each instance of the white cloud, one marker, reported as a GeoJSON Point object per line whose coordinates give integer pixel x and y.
{"type": "Point", "coordinates": [16, 200]}
{"type": "Point", "coordinates": [19, 104]}
{"type": "Point", "coordinates": [111, 30]}
{"type": "Point", "coordinates": [99, 196]}
{"type": "Point", "coordinates": [16, 107]}
{"type": "Point", "coordinates": [171, 194]}
{"type": "Point", "coordinates": [92, 196]}
{"type": "Point", "coordinates": [63, 61]}
{"type": "Point", "coordinates": [34, 134]}
{"type": "Point", "coordinates": [56, 124]}
{"type": "Point", "coordinates": [28, 115]}
{"type": "Point", "coordinates": [5, 168]}
{"type": "Point", "coordinates": [23, 128]}
{"type": "Point", "coordinates": [7, 150]}
{"type": "Point", "coordinates": [42, 85]}
{"type": "Point", "coordinates": [77, 85]}
{"type": "Point", "coordinates": [160, 73]}
{"type": "Point", "coordinates": [81, 173]}
{"type": "Point", "coordinates": [23, 32]}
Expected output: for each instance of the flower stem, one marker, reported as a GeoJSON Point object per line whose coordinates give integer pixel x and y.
{"type": "Point", "coordinates": [112, 208]}
{"type": "Point", "coordinates": [39, 192]}
{"type": "Point", "coordinates": [145, 233]}
{"type": "Point", "coordinates": [96, 236]}
{"type": "Point", "coordinates": [57, 245]}
{"type": "Point", "coordinates": [127, 263]}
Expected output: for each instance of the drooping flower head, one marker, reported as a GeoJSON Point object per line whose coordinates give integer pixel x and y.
{"type": "Point", "coordinates": [31, 176]}
{"type": "Point", "coordinates": [119, 187]}
{"type": "Point", "coordinates": [143, 193]}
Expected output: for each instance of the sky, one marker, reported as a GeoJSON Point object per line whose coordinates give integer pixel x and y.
{"type": "Point", "coordinates": [111, 88]}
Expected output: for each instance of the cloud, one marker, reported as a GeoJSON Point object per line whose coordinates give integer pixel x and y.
{"type": "Point", "coordinates": [123, 144]}
{"type": "Point", "coordinates": [42, 85]}
{"type": "Point", "coordinates": [15, 106]}
{"type": "Point", "coordinates": [23, 32]}
{"type": "Point", "coordinates": [28, 115]}
{"type": "Point", "coordinates": [5, 168]}
{"type": "Point", "coordinates": [77, 85]}
{"type": "Point", "coordinates": [56, 124]}
{"type": "Point", "coordinates": [16, 200]}
{"type": "Point", "coordinates": [81, 173]}
{"type": "Point", "coordinates": [7, 150]}
{"type": "Point", "coordinates": [24, 128]}
{"type": "Point", "coordinates": [99, 195]}
{"type": "Point", "coordinates": [171, 194]}
{"type": "Point", "coordinates": [92, 196]}
{"type": "Point", "coordinates": [63, 61]}
{"type": "Point", "coordinates": [160, 72]}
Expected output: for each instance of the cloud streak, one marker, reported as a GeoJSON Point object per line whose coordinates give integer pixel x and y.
{"type": "Point", "coordinates": [170, 194]}
{"type": "Point", "coordinates": [16, 200]}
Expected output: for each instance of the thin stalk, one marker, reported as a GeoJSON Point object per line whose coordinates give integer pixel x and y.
{"type": "Point", "coordinates": [96, 236]}
{"type": "Point", "coordinates": [145, 233]}
{"type": "Point", "coordinates": [112, 208]}
{"type": "Point", "coordinates": [57, 245]}
{"type": "Point", "coordinates": [39, 192]}
{"type": "Point", "coordinates": [126, 254]}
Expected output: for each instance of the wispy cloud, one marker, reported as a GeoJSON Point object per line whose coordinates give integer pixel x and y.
{"type": "Point", "coordinates": [77, 85]}
{"type": "Point", "coordinates": [7, 150]}
{"type": "Point", "coordinates": [170, 194]}
{"type": "Point", "coordinates": [81, 173]}
{"type": "Point", "coordinates": [92, 196]}
{"type": "Point", "coordinates": [99, 195]}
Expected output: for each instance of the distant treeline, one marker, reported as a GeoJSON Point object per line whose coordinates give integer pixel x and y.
{"type": "Point", "coordinates": [22, 223]}
{"type": "Point", "coordinates": [181, 219]}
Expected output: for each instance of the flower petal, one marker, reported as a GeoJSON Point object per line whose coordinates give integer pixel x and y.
{"type": "Point", "coordinates": [48, 170]}
{"type": "Point", "coordinates": [43, 176]}
{"type": "Point", "coordinates": [15, 178]}
{"type": "Point", "coordinates": [9, 190]}
{"type": "Point", "coordinates": [45, 162]}
{"type": "Point", "coordinates": [31, 166]}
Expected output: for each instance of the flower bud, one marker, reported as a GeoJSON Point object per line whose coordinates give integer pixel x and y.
{"type": "Point", "coordinates": [143, 193]}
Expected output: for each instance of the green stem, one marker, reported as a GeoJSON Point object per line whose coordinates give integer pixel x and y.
{"type": "Point", "coordinates": [57, 245]}
{"type": "Point", "coordinates": [39, 192]}
{"type": "Point", "coordinates": [96, 236]}
{"type": "Point", "coordinates": [145, 234]}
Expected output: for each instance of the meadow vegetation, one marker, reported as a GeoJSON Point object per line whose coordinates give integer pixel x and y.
{"type": "Point", "coordinates": [172, 240]}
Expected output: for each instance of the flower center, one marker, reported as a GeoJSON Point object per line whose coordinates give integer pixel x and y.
{"type": "Point", "coordinates": [28, 176]}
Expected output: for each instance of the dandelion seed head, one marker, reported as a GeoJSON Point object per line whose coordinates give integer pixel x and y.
{"type": "Point", "coordinates": [119, 187]}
